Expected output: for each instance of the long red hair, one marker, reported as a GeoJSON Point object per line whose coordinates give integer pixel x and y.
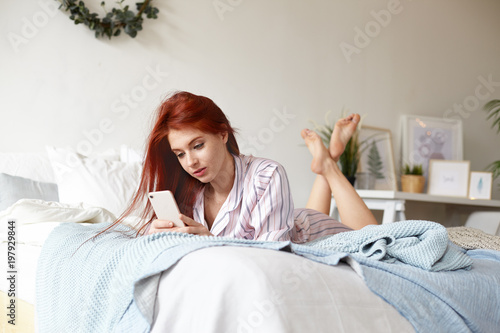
{"type": "Point", "coordinates": [161, 168]}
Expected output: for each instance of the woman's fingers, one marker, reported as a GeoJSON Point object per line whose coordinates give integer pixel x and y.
{"type": "Point", "coordinates": [192, 227]}
{"type": "Point", "coordinates": [189, 221]}
{"type": "Point", "coordinates": [160, 224]}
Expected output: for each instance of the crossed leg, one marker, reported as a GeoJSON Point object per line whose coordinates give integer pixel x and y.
{"type": "Point", "coordinates": [330, 180]}
{"type": "Point", "coordinates": [321, 194]}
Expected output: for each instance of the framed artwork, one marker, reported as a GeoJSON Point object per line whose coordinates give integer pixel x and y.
{"type": "Point", "coordinates": [448, 178]}
{"type": "Point", "coordinates": [377, 157]}
{"type": "Point", "coordinates": [480, 185]}
{"type": "Point", "coordinates": [426, 138]}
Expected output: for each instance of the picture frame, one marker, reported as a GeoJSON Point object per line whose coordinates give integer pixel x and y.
{"type": "Point", "coordinates": [448, 178]}
{"type": "Point", "coordinates": [377, 158]}
{"type": "Point", "coordinates": [480, 185]}
{"type": "Point", "coordinates": [425, 138]}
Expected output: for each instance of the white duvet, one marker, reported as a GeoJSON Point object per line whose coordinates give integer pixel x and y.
{"type": "Point", "coordinates": [238, 289]}
{"type": "Point", "coordinates": [224, 289]}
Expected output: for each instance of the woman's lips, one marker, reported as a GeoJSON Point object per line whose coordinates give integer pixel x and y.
{"type": "Point", "coordinates": [200, 172]}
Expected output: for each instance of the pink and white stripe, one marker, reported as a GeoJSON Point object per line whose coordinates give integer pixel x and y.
{"type": "Point", "coordinates": [260, 207]}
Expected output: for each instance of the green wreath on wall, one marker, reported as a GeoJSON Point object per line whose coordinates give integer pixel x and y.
{"type": "Point", "coordinates": [114, 21]}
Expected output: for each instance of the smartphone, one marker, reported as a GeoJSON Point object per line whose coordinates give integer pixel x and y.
{"type": "Point", "coordinates": [165, 207]}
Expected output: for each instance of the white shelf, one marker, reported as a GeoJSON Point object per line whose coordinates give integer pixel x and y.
{"type": "Point", "coordinates": [393, 202]}
{"type": "Point", "coordinates": [423, 197]}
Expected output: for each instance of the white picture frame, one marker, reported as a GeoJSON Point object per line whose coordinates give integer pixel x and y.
{"type": "Point", "coordinates": [383, 174]}
{"type": "Point", "coordinates": [480, 185]}
{"type": "Point", "coordinates": [425, 138]}
{"type": "Point", "coordinates": [448, 178]}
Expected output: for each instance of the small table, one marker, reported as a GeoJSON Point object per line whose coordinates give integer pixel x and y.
{"type": "Point", "coordinates": [393, 202]}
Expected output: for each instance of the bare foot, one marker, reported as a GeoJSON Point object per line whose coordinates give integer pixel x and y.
{"type": "Point", "coordinates": [342, 132]}
{"type": "Point", "coordinates": [320, 154]}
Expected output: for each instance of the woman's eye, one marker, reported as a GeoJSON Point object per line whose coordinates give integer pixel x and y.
{"type": "Point", "coordinates": [199, 146]}
{"type": "Point", "coordinates": [179, 155]}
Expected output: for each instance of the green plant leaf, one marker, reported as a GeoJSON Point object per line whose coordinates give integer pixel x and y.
{"type": "Point", "coordinates": [417, 169]}
{"type": "Point", "coordinates": [493, 109]}
{"type": "Point", "coordinates": [494, 168]}
{"type": "Point", "coordinates": [113, 21]}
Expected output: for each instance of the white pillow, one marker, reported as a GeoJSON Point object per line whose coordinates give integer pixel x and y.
{"type": "Point", "coordinates": [94, 181]}
{"type": "Point", "coordinates": [130, 155]}
{"type": "Point", "coordinates": [33, 211]}
{"type": "Point", "coordinates": [35, 166]}
{"type": "Point", "coordinates": [35, 219]}
{"type": "Point", "coordinates": [14, 188]}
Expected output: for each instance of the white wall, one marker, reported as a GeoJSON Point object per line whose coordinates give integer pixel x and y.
{"type": "Point", "coordinates": [59, 84]}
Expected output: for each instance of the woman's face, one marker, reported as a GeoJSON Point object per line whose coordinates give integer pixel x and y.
{"type": "Point", "coordinates": [202, 155]}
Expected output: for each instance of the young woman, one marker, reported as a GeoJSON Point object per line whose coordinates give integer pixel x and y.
{"type": "Point", "coordinates": [192, 151]}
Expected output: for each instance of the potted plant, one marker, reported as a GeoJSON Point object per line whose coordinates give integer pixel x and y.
{"type": "Point", "coordinates": [412, 179]}
{"type": "Point", "coordinates": [349, 160]}
{"type": "Point", "coordinates": [493, 109]}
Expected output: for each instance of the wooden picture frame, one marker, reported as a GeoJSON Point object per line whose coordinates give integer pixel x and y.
{"type": "Point", "coordinates": [448, 178]}
{"type": "Point", "coordinates": [377, 157]}
{"type": "Point", "coordinates": [480, 185]}
{"type": "Point", "coordinates": [425, 138]}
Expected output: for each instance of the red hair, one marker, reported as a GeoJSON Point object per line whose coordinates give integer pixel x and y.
{"type": "Point", "coordinates": [161, 168]}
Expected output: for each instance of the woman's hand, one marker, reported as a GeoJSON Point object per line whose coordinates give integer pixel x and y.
{"type": "Point", "coordinates": [192, 227]}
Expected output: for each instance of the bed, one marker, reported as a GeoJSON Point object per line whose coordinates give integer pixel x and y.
{"type": "Point", "coordinates": [206, 285]}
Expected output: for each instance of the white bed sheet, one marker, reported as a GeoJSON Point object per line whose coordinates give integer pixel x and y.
{"type": "Point", "coordinates": [238, 289]}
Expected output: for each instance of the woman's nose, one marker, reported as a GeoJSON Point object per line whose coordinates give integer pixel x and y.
{"type": "Point", "coordinates": [192, 160]}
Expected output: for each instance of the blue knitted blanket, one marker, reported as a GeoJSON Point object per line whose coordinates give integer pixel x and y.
{"type": "Point", "coordinates": [422, 244]}
{"type": "Point", "coordinates": [99, 286]}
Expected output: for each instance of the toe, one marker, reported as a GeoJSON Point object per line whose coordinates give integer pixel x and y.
{"type": "Point", "coordinates": [355, 118]}
{"type": "Point", "coordinates": [305, 133]}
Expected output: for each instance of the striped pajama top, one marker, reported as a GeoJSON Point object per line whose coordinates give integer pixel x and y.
{"type": "Point", "coordinates": [260, 207]}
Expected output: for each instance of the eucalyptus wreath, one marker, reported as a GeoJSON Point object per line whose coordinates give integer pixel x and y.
{"type": "Point", "coordinates": [114, 21]}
